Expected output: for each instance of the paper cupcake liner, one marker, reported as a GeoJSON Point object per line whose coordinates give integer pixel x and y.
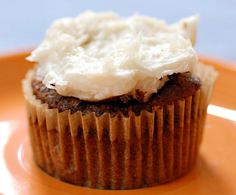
{"type": "Point", "coordinates": [117, 152]}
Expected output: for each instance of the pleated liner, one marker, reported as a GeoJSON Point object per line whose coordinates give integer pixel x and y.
{"type": "Point", "coordinates": [117, 152]}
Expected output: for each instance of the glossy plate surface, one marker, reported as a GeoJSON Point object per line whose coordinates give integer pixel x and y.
{"type": "Point", "coordinates": [215, 172]}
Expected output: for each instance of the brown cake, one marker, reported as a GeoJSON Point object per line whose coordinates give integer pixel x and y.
{"type": "Point", "coordinates": [178, 87]}
{"type": "Point", "coordinates": [124, 140]}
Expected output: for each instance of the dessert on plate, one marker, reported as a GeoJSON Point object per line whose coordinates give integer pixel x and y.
{"type": "Point", "coordinates": [117, 103]}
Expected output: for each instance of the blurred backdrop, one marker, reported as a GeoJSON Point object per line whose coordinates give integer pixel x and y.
{"type": "Point", "coordinates": [23, 22]}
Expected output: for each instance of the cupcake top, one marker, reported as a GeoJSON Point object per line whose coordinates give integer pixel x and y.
{"type": "Point", "coordinates": [97, 56]}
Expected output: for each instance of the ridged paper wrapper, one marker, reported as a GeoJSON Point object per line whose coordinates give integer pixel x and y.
{"type": "Point", "coordinates": [117, 151]}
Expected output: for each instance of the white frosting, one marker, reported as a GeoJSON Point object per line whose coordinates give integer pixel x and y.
{"type": "Point", "coordinates": [100, 55]}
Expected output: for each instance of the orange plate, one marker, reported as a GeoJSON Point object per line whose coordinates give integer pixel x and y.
{"type": "Point", "coordinates": [215, 172]}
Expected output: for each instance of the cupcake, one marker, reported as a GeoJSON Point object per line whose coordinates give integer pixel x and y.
{"type": "Point", "coordinates": [117, 103]}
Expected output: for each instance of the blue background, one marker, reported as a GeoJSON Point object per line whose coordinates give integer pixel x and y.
{"type": "Point", "coordinates": [23, 22]}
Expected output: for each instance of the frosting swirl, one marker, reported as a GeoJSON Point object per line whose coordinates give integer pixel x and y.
{"type": "Point", "coordinates": [96, 56]}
